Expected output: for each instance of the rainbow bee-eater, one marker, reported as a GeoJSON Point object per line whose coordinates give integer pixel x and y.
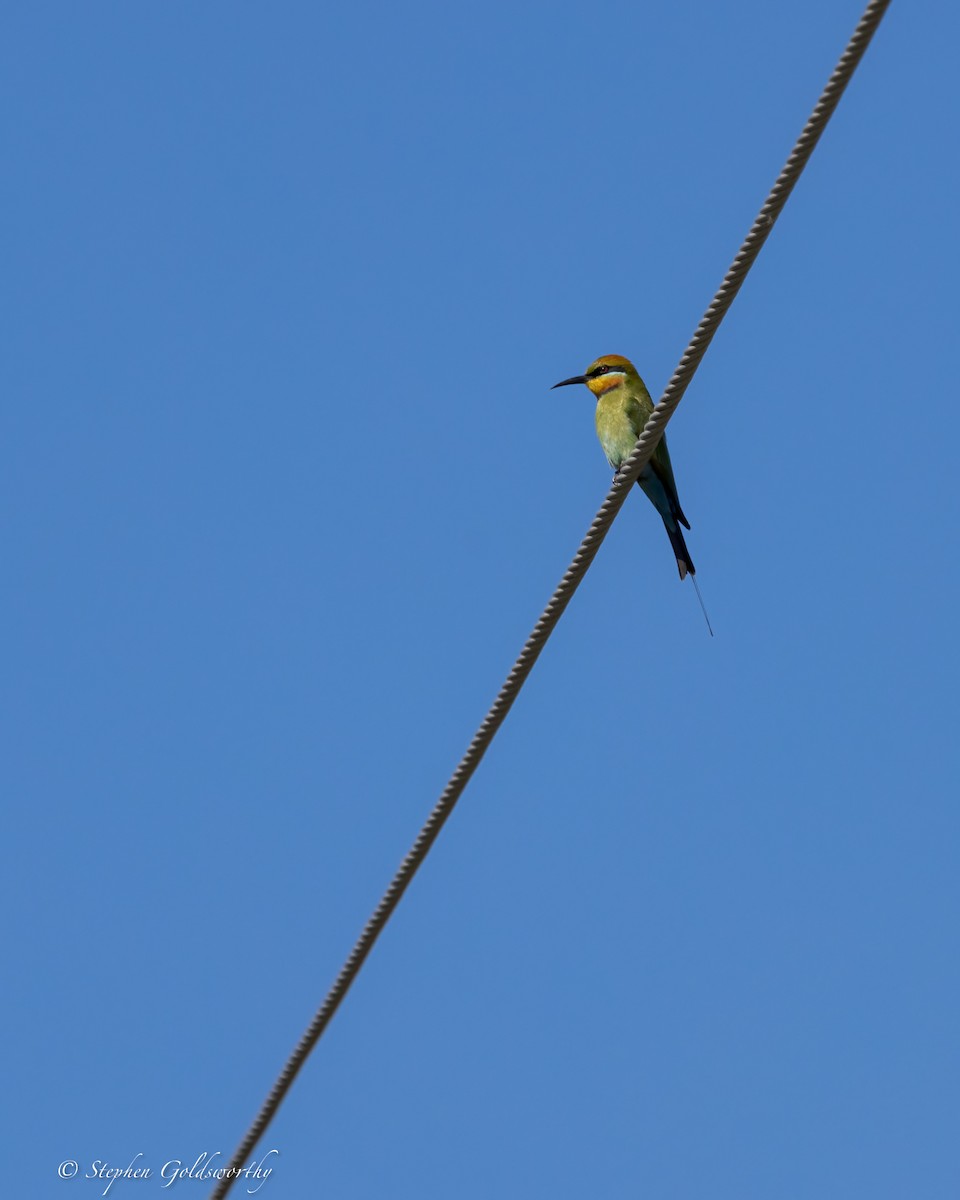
{"type": "Point", "coordinates": [623, 406]}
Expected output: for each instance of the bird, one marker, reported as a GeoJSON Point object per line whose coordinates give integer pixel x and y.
{"type": "Point", "coordinates": [623, 406]}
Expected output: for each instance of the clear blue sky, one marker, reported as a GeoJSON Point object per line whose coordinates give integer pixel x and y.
{"type": "Point", "coordinates": [285, 489]}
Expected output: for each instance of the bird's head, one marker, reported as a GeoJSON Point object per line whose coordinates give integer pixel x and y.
{"type": "Point", "coordinates": [604, 374]}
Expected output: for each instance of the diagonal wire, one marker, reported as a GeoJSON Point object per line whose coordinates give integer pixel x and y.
{"type": "Point", "coordinates": [673, 393]}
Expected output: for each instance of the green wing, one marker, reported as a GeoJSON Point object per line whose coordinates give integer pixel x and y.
{"type": "Point", "coordinates": [638, 411]}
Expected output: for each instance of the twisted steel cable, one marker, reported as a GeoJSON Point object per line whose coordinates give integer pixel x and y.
{"type": "Point", "coordinates": [672, 395]}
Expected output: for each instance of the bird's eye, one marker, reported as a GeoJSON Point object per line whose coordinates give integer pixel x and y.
{"type": "Point", "coordinates": [602, 370]}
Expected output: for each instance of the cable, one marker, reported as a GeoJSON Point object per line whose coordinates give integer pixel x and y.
{"type": "Point", "coordinates": [626, 477]}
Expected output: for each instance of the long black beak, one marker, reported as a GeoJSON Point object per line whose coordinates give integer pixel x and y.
{"type": "Point", "coordinates": [565, 382]}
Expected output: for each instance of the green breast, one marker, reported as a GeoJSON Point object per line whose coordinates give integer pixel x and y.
{"type": "Point", "coordinates": [620, 419]}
